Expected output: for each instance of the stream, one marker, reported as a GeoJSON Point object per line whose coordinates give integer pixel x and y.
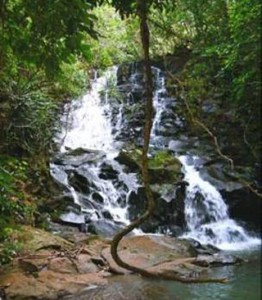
{"type": "Point", "coordinates": [94, 130]}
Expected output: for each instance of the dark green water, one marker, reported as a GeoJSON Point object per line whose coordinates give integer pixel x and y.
{"type": "Point", "coordinates": [244, 284]}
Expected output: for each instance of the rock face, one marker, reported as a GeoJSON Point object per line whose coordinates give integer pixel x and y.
{"type": "Point", "coordinates": [245, 206]}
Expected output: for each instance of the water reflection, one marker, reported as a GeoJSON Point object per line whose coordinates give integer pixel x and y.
{"type": "Point", "coordinates": [126, 288]}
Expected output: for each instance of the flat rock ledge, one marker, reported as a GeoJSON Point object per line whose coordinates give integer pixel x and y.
{"type": "Point", "coordinates": [51, 267]}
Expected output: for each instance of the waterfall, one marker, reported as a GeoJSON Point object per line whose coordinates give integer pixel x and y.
{"type": "Point", "coordinates": [88, 126]}
{"type": "Point", "coordinates": [207, 215]}
{"type": "Point", "coordinates": [83, 131]}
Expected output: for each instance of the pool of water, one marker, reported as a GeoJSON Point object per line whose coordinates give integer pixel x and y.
{"type": "Point", "coordinates": [244, 282]}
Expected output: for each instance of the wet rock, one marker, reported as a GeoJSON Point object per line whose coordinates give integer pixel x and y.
{"type": "Point", "coordinates": [233, 190]}
{"type": "Point", "coordinates": [125, 71]}
{"type": "Point", "coordinates": [163, 166]}
{"type": "Point", "coordinates": [67, 232]}
{"type": "Point", "coordinates": [201, 248]}
{"type": "Point", "coordinates": [131, 158]}
{"type": "Point", "coordinates": [177, 145]}
{"type": "Point", "coordinates": [97, 198]}
{"type": "Point", "coordinates": [107, 172]}
{"type": "Point", "coordinates": [78, 157]}
{"type": "Point", "coordinates": [72, 217]}
{"type": "Point", "coordinates": [216, 175]}
{"type": "Point", "coordinates": [216, 260]}
{"type": "Point", "coordinates": [137, 202]}
{"type": "Point", "coordinates": [245, 207]}
{"type": "Point", "coordinates": [59, 175]}
{"type": "Point", "coordinates": [107, 215]}
{"type": "Point", "coordinates": [168, 217]}
{"type": "Point", "coordinates": [79, 181]}
{"type": "Point", "coordinates": [104, 228]}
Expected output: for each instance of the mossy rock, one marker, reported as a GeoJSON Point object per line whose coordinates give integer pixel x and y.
{"type": "Point", "coordinates": [163, 166]}
{"type": "Point", "coordinates": [132, 158]}
{"type": "Point", "coordinates": [34, 239]}
{"type": "Point", "coordinates": [162, 159]}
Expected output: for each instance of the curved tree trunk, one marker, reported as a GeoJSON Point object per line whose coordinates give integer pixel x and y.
{"type": "Point", "coordinates": [144, 33]}
{"type": "Point", "coordinates": [145, 38]}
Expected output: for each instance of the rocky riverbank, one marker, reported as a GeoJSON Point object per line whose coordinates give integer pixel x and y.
{"type": "Point", "coordinates": [53, 267]}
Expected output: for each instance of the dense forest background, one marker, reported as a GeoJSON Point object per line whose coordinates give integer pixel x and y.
{"type": "Point", "coordinates": [49, 49]}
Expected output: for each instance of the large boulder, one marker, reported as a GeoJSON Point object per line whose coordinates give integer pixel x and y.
{"type": "Point", "coordinates": [168, 216]}
{"type": "Point", "coordinates": [162, 255]}
{"type": "Point", "coordinates": [245, 207]}
{"type": "Point", "coordinates": [148, 250]}
{"type": "Point", "coordinates": [164, 168]}
{"type": "Point", "coordinates": [167, 186]}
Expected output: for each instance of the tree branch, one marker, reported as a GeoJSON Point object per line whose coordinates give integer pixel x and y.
{"type": "Point", "coordinates": [214, 138]}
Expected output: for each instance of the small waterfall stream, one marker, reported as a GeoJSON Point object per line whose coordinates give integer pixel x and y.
{"type": "Point", "coordinates": [89, 126]}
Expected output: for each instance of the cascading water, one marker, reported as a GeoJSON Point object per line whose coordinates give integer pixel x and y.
{"type": "Point", "coordinates": [89, 127]}
{"type": "Point", "coordinates": [207, 215]}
